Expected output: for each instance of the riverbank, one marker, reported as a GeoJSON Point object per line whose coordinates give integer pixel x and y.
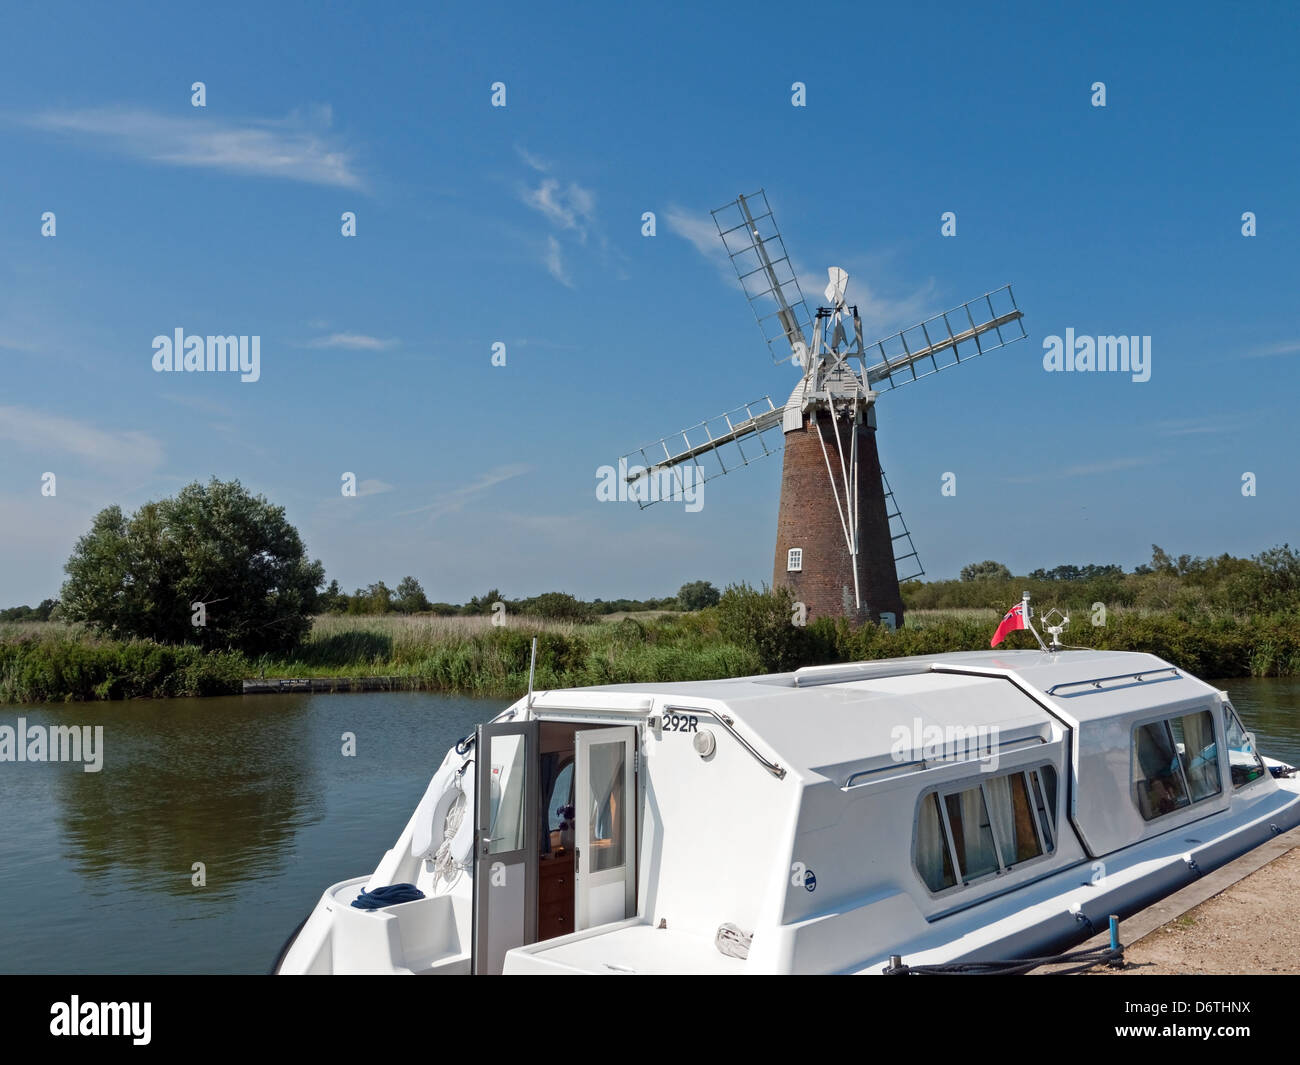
{"type": "Point", "coordinates": [1236, 920]}
{"type": "Point", "coordinates": [43, 662]}
{"type": "Point", "coordinates": [1248, 929]}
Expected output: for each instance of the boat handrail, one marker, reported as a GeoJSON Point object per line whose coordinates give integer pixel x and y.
{"type": "Point", "coordinates": [1022, 743]}
{"type": "Point", "coordinates": [775, 768]}
{"type": "Point", "coordinates": [847, 671]}
{"type": "Point", "coordinates": [1097, 682]}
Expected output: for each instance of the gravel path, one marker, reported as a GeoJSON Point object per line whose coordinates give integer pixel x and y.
{"type": "Point", "coordinates": [1253, 927]}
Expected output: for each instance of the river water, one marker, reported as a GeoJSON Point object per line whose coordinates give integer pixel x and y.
{"type": "Point", "coordinates": [96, 869]}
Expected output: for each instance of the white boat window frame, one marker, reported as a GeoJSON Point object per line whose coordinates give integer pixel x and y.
{"type": "Point", "coordinates": [1217, 722]}
{"type": "Point", "coordinates": [1046, 847]}
{"type": "Point", "coordinates": [1230, 711]}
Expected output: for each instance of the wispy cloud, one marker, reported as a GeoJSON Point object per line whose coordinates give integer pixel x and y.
{"type": "Point", "coordinates": [699, 229]}
{"type": "Point", "coordinates": [1086, 469]}
{"type": "Point", "coordinates": [1192, 427]}
{"type": "Point", "coordinates": [570, 207]}
{"type": "Point", "coordinates": [455, 500]}
{"type": "Point", "coordinates": [34, 430]}
{"type": "Point", "coordinates": [880, 313]}
{"type": "Point", "coordinates": [353, 342]}
{"type": "Point", "coordinates": [535, 342]}
{"type": "Point", "coordinates": [371, 487]}
{"type": "Point", "coordinates": [554, 262]}
{"type": "Point", "coordinates": [10, 344]}
{"type": "Point", "coordinates": [208, 406]}
{"type": "Point", "coordinates": [539, 164]}
{"type": "Point", "coordinates": [299, 147]}
{"type": "Point", "coordinates": [1286, 347]}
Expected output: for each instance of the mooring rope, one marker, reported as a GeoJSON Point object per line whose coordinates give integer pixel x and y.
{"type": "Point", "coordinates": [1077, 960]}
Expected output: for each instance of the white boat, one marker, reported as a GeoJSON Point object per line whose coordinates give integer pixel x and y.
{"type": "Point", "coordinates": [939, 809]}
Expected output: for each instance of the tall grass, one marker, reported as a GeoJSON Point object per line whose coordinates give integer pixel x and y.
{"type": "Point", "coordinates": [52, 661]}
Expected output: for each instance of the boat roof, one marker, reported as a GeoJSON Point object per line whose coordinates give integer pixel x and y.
{"type": "Point", "coordinates": [823, 716]}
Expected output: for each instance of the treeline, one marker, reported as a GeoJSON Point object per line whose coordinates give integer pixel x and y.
{"type": "Point", "coordinates": [47, 610]}
{"type": "Point", "coordinates": [408, 597]}
{"type": "Point", "coordinates": [1186, 586]}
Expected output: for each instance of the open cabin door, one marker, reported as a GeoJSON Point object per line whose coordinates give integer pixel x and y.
{"type": "Point", "coordinates": [605, 792]}
{"type": "Point", "coordinates": [506, 823]}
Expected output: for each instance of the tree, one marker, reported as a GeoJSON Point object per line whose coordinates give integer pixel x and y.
{"type": "Point", "coordinates": [557, 606]}
{"type": "Point", "coordinates": [1071, 572]}
{"type": "Point", "coordinates": [1160, 561]}
{"type": "Point", "coordinates": [374, 598]}
{"type": "Point", "coordinates": [482, 604]}
{"type": "Point", "coordinates": [214, 566]}
{"type": "Point", "coordinates": [697, 595]}
{"type": "Point", "coordinates": [986, 571]}
{"type": "Point", "coordinates": [410, 597]}
{"type": "Point", "coordinates": [333, 600]}
{"type": "Point", "coordinates": [763, 622]}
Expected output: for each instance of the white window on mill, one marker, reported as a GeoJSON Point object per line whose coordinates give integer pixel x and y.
{"type": "Point", "coordinates": [794, 560]}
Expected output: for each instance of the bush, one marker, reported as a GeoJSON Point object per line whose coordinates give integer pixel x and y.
{"type": "Point", "coordinates": [697, 595]}
{"type": "Point", "coordinates": [558, 606]}
{"type": "Point", "coordinates": [66, 669]}
{"type": "Point", "coordinates": [764, 623]}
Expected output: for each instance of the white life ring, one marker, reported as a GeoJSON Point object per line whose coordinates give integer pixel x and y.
{"type": "Point", "coordinates": [427, 834]}
{"type": "Point", "coordinates": [461, 845]}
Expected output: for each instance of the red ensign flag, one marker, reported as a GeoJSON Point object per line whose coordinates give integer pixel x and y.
{"type": "Point", "coordinates": [1015, 619]}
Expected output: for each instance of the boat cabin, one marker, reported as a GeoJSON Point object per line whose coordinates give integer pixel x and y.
{"type": "Point", "coordinates": [949, 807]}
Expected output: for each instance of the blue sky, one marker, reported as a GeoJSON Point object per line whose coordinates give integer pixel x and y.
{"type": "Point", "coordinates": [522, 225]}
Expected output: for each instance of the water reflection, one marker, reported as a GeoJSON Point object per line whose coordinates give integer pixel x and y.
{"type": "Point", "coordinates": [95, 868]}
{"type": "Point", "coordinates": [225, 782]}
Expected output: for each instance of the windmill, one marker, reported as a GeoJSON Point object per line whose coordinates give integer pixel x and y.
{"type": "Point", "coordinates": [840, 539]}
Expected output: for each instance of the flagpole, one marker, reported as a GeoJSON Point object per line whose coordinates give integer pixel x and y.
{"type": "Point", "coordinates": [1024, 599]}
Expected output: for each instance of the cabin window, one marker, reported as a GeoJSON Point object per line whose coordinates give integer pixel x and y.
{"type": "Point", "coordinates": [794, 560]}
{"type": "Point", "coordinates": [1243, 760]}
{"type": "Point", "coordinates": [972, 833]}
{"type": "Point", "coordinates": [933, 858]}
{"type": "Point", "coordinates": [1045, 802]}
{"type": "Point", "coordinates": [966, 833]}
{"type": "Point", "coordinates": [1175, 763]}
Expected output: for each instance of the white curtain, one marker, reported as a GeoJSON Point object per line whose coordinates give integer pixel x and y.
{"type": "Point", "coordinates": [1002, 816]}
{"type": "Point", "coordinates": [978, 857]}
{"type": "Point", "coordinates": [931, 846]}
{"type": "Point", "coordinates": [1200, 758]}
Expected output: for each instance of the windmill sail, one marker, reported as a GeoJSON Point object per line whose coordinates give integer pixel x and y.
{"type": "Point", "coordinates": [974, 328]}
{"type": "Point", "coordinates": [754, 245]}
{"type": "Point", "coordinates": [712, 447]}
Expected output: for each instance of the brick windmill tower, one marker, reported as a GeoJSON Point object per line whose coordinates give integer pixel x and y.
{"type": "Point", "coordinates": [840, 539]}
